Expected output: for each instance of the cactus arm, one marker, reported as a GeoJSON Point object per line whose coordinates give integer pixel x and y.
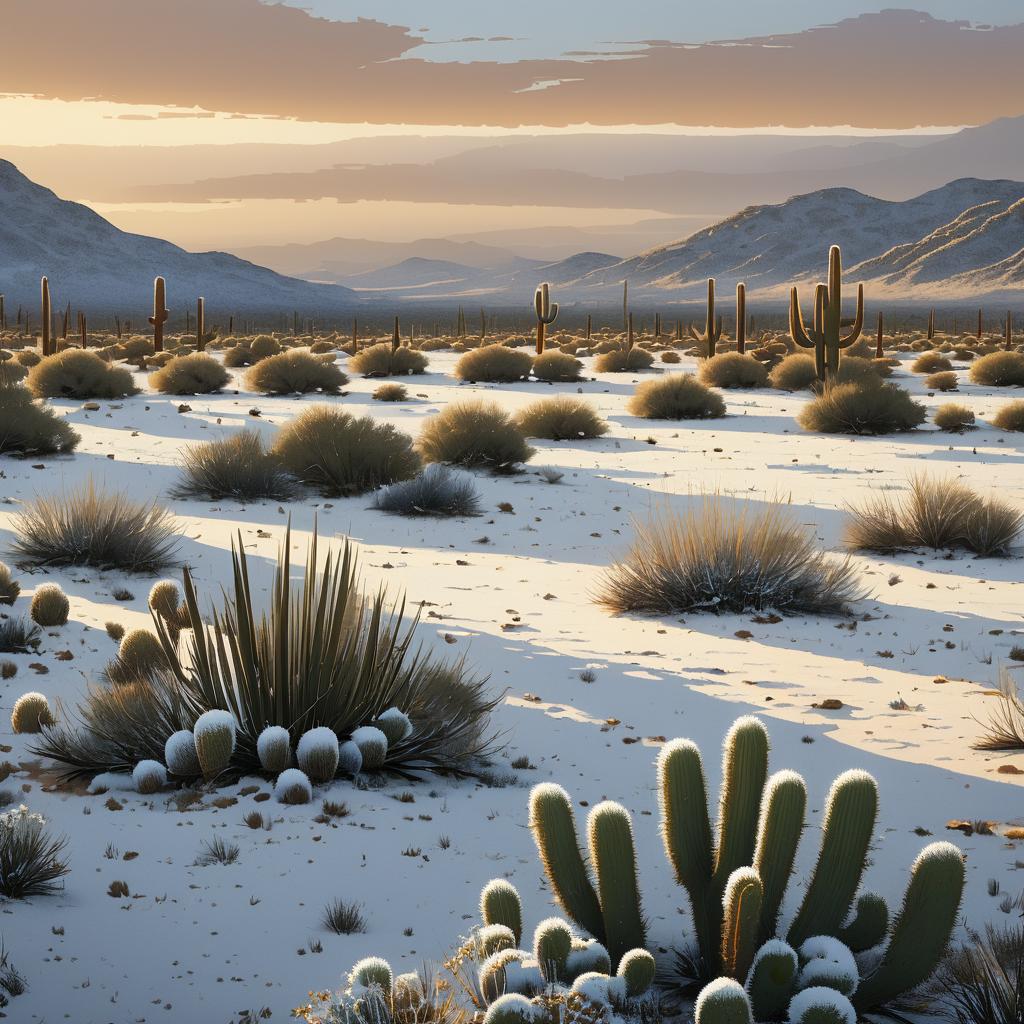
{"type": "Point", "coordinates": [741, 911]}
{"type": "Point", "coordinates": [858, 321]}
{"type": "Point", "coordinates": [778, 834]}
{"type": "Point", "coordinates": [869, 925]}
{"type": "Point", "coordinates": [797, 328]}
{"type": "Point", "coordinates": [772, 979]}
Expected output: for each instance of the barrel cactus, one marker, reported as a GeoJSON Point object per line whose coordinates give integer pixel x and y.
{"type": "Point", "coordinates": [31, 713]}
{"type": "Point", "coordinates": [50, 606]}
{"type": "Point", "coordinates": [373, 746]}
{"type": "Point", "coordinates": [274, 749]}
{"type": "Point", "coordinates": [149, 777]}
{"type": "Point", "coordinates": [317, 754]}
{"type": "Point", "coordinates": [293, 787]}
{"type": "Point", "coordinates": [214, 733]}
{"type": "Point", "coordinates": [180, 754]}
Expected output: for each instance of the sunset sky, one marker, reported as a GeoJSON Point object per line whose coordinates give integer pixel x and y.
{"type": "Point", "coordinates": [212, 121]}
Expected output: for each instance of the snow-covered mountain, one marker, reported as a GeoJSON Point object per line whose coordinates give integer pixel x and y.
{"type": "Point", "coordinates": [102, 270]}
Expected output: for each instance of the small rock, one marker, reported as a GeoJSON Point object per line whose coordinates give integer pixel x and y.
{"type": "Point", "coordinates": [829, 704]}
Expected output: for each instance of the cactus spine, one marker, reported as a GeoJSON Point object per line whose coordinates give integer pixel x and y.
{"type": "Point", "coordinates": [546, 310]}
{"type": "Point", "coordinates": [160, 313]}
{"type": "Point", "coordinates": [47, 341]}
{"type": "Point", "coordinates": [741, 318]}
{"type": "Point", "coordinates": [826, 336]}
{"type": "Point", "coordinates": [712, 324]}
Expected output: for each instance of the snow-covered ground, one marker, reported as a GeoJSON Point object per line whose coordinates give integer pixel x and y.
{"type": "Point", "coordinates": [512, 591]}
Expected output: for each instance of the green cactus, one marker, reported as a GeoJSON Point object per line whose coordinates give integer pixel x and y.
{"type": "Point", "coordinates": [552, 943]}
{"type": "Point", "coordinates": [723, 1001]}
{"type": "Point", "coordinates": [922, 929]}
{"type": "Point", "coordinates": [826, 336]}
{"type": "Point", "coordinates": [493, 938]}
{"type": "Point", "coordinates": [931, 324]}
{"type": "Point", "coordinates": [160, 313]}
{"type": "Point", "coordinates": [511, 1009]}
{"type": "Point", "coordinates": [547, 312]}
{"type": "Point", "coordinates": [372, 970]}
{"type": "Point", "coordinates": [493, 981]}
{"type": "Point", "coordinates": [741, 906]}
{"type": "Point", "coordinates": [741, 318]}
{"type": "Point", "coordinates": [612, 854]}
{"type": "Point", "coordinates": [869, 924]}
{"type": "Point", "coordinates": [781, 823]}
{"type": "Point", "coordinates": [712, 332]}
{"type": "Point", "coordinates": [821, 1006]}
{"type": "Point", "coordinates": [500, 904]}
{"type": "Point", "coordinates": [637, 969]}
{"type": "Point", "coordinates": [772, 979]}
{"type": "Point", "coordinates": [849, 821]}
{"type": "Point", "coordinates": [215, 741]}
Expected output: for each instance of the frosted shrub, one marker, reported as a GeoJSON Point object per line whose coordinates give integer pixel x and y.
{"type": "Point", "coordinates": [149, 777]}
{"type": "Point", "coordinates": [293, 787]}
{"type": "Point", "coordinates": [30, 859]}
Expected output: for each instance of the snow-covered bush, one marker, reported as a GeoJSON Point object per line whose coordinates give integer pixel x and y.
{"type": "Point", "coordinates": [293, 787]}
{"type": "Point", "coordinates": [475, 434]}
{"type": "Point", "coordinates": [149, 777]}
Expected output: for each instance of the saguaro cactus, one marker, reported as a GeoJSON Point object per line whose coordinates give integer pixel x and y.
{"type": "Point", "coordinates": [741, 318]}
{"type": "Point", "coordinates": [981, 324]}
{"type": "Point", "coordinates": [931, 324]}
{"type": "Point", "coordinates": [47, 341]}
{"type": "Point", "coordinates": [396, 336]}
{"type": "Point", "coordinates": [879, 336]}
{"type": "Point", "coordinates": [712, 324]}
{"type": "Point", "coordinates": [1009, 330]}
{"type": "Point", "coordinates": [826, 336]}
{"type": "Point", "coordinates": [547, 311]}
{"type": "Point", "coordinates": [200, 324]}
{"type": "Point", "coordinates": [160, 313]}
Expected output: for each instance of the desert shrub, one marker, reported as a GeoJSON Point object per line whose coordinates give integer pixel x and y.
{"type": "Point", "coordinates": [474, 434]}
{"type": "Point", "coordinates": [344, 918]}
{"type": "Point", "coordinates": [852, 370]}
{"type": "Point", "coordinates": [937, 514]}
{"type": "Point", "coordinates": [238, 355]}
{"type": "Point", "coordinates": [236, 467]}
{"type": "Point", "coordinates": [195, 374]}
{"type": "Point", "coordinates": [556, 366]}
{"type": "Point", "coordinates": [383, 361]}
{"type": "Point", "coordinates": [622, 360]}
{"type": "Point", "coordinates": [945, 381]}
{"type": "Point", "coordinates": [28, 357]}
{"type": "Point", "coordinates": [999, 369]}
{"type": "Point", "coordinates": [679, 396]}
{"type": "Point", "coordinates": [733, 370]}
{"type": "Point", "coordinates": [562, 418]}
{"type": "Point", "coordinates": [17, 636]}
{"type": "Point", "coordinates": [671, 356]}
{"type": "Point", "coordinates": [437, 491]}
{"type": "Point", "coordinates": [263, 346]}
{"type": "Point", "coordinates": [983, 980]}
{"type": "Point", "coordinates": [10, 588]}
{"type": "Point", "coordinates": [727, 556]}
{"type": "Point", "coordinates": [12, 372]}
{"type": "Point", "coordinates": [50, 605]}
{"type": "Point", "coordinates": [432, 344]}
{"type": "Point", "coordinates": [31, 714]}
{"type": "Point", "coordinates": [343, 454]}
{"type": "Point", "coordinates": [294, 372]}
{"type": "Point", "coordinates": [795, 373]}
{"type": "Point", "coordinates": [1010, 416]}
{"type": "Point", "coordinates": [75, 373]}
{"type": "Point", "coordinates": [496, 363]}
{"type": "Point", "coordinates": [31, 861]}
{"type": "Point", "coordinates": [390, 393]}
{"type": "Point", "coordinates": [953, 417]}
{"type": "Point", "coordinates": [30, 429]}
{"type": "Point", "coordinates": [931, 362]}
{"type": "Point", "coordinates": [87, 527]}
{"type": "Point", "coordinates": [870, 407]}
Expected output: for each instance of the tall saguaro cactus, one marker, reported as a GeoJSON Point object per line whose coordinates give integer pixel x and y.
{"type": "Point", "coordinates": [880, 336]}
{"type": "Point", "coordinates": [47, 341]}
{"type": "Point", "coordinates": [826, 336]}
{"type": "Point", "coordinates": [741, 318]}
{"type": "Point", "coordinates": [547, 311]}
{"type": "Point", "coordinates": [160, 313]}
{"type": "Point", "coordinates": [200, 324]}
{"type": "Point", "coordinates": [712, 325]}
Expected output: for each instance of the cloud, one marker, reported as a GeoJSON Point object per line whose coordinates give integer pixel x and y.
{"type": "Point", "coordinates": [893, 69]}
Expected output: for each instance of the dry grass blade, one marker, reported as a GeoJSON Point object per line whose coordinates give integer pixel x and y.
{"type": "Point", "coordinates": [1004, 729]}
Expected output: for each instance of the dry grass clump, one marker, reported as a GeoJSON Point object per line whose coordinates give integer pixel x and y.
{"type": "Point", "coordinates": [727, 556]}
{"type": "Point", "coordinates": [494, 363]}
{"type": "Point", "coordinates": [28, 357]}
{"type": "Point", "coordinates": [953, 417]}
{"type": "Point", "coordinates": [671, 356]}
{"type": "Point", "coordinates": [869, 407]}
{"type": "Point", "coordinates": [622, 360]}
{"type": "Point", "coordinates": [195, 374]}
{"type": "Point", "coordinates": [936, 514]}
{"type": "Point", "coordinates": [294, 372]}
{"type": "Point", "coordinates": [11, 371]}
{"type": "Point", "coordinates": [437, 491]}
{"type": "Point", "coordinates": [18, 636]}
{"type": "Point", "coordinates": [344, 918]}
{"type": "Point", "coordinates": [1010, 416]}
{"type": "Point", "coordinates": [236, 467]}
{"type": "Point", "coordinates": [561, 418]}
{"type": "Point", "coordinates": [474, 434]}
{"type": "Point", "coordinates": [999, 369]}
{"type": "Point", "coordinates": [30, 429]}
{"type": "Point", "coordinates": [795, 373]}
{"type": "Point", "coordinates": [10, 588]}
{"type": "Point", "coordinates": [31, 860]}
{"type": "Point", "coordinates": [556, 366]}
{"type": "Point", "coordinates": [1004, 729]}
{"type": "Point", "coordinates": [931, 362]}
{"type": "Point", "coordinates": [88, 527]}
{"type": "Point", "coordinates": [75, 373]}
{"type": "Point", "coordinates": [947, 380]}
{"type": "Point", "coordinates": [733, 370]}
{"type": "Point", "coordinates": [679, 396]}
{"type": "Point", "coordinates": [853, 369]}
{"type": "Point", "coordinates": [390, 393]}
{"type": "Point", "coordinates": [982, 981]}
{"type": "Point", "coordinates": [384, 361]}
{"type": "Point", "coordinates": [341, 454]}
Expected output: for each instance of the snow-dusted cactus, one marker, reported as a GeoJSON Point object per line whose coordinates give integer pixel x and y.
{"type": "Point", "coordinates": [493, 973]}
{"type": "Point", "coordinates": [180, 754]}
{"type": "Point", "coordinates": [511, 1009]}
{"type": "Point", "coordinates": [317, 754]}
{"type": "Point", "coordinates": [848, 824]}
{"type": "Point", "coordinates": [500, 904]}
{"type": "Point", "coordinates": [9, 587]}
{"type": "Point", "coordinates": [373, 746]}
{"type": "Point", "coordinates": [781, 823]}
{"type": "Point", "coordinates": [293, 787]}
{"type": "Point", "coordinates": [31, 713]}
{"type": "Point", "coordinates": [350, 758]}
{"type": "Point", "coordinates": [274, 749]}
{"type": "Point", "coordinates": [214, 733]}
{"type": "Point", "coordinates": [409, 994]}
{"type": "Point", "coordinates": [395, 725]}
{"type": "Point", "coordinates": [821, 1006]}
{"type": "Point", "coordinates": [492, 938]}
{"type": "Point", "coordinates": [371, 971]}
{"type": "Point", "coordinates": [868, 925]}
{"type": "Point", "coordinates": [637, 969]}
{"type": "Point", "coordinates": [827, 963]}
{"type": "Point", "coordinates": [588, 956]}
{"type": "Point", "coordinates": [149, 777]}
{"type": "Point", "coordinates": [50, 606]}
{"type": "Point", "coordinates": [772, 979]}
{"type": "Point", "coordinates": [922, 928]}
{"type": "Point", "coordinates": [741, 921]}
{"type": "Point", "coordinates": [140, 652]}
{"type": "Point", "coordinates": [723, 1001]}
{"type": "Point", "coordinates": [552, 943]}
{"type": "Point", "coordinates": [610, 835]}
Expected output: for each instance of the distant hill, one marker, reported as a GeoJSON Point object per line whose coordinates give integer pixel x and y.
{"type": "Point", "coordinates": [102, 270]}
